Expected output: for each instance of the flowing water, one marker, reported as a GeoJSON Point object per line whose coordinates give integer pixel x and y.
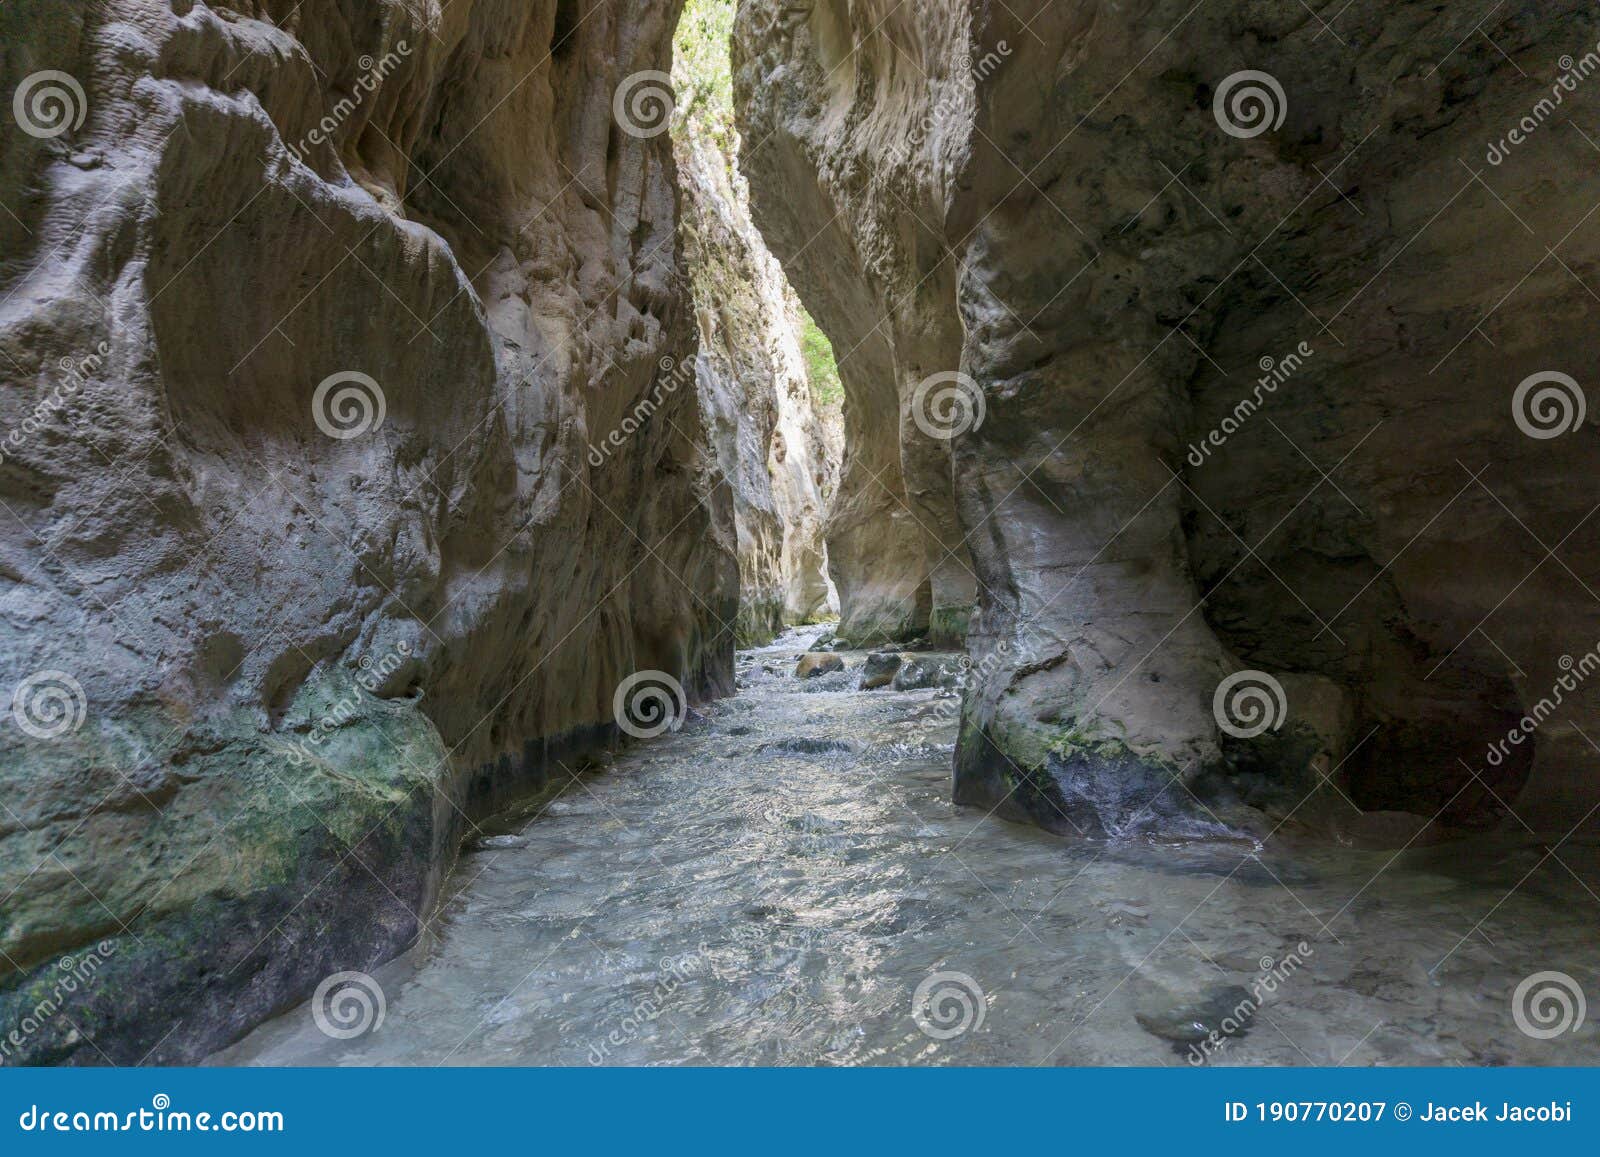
{"type": "Point", "coordinates": [773, 883]}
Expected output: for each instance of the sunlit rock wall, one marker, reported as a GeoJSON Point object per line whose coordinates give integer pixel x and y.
{"type": "Point", "coordinates": [777, 447]}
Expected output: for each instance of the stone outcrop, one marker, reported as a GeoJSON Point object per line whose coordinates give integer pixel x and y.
{"type": "Point", "coordinates": [317, 322]}
{"type": "Point", "coordinates": [1247, 292]}
{"type": "Point", "coordinates": [778, 450]}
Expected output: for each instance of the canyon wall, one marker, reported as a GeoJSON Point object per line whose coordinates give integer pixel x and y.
{"type": "Point", "coordinates": [854, 212]}
{"type": "Point", "coordinates": [319, 320]}
{"type": "Point", "coordinates": [777, 447]}
{"type": "Point", "coordinates": [1263, 335]}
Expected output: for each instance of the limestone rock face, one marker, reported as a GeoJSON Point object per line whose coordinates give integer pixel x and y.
{"type": "Point", "coordinates": [1265, 310]}
{"type": "Point", "coordinates": [315, 329]}
{"type": "Point", "coordinates": [850, 195]}
{"type": "Point", "coordinates": [778, 451]}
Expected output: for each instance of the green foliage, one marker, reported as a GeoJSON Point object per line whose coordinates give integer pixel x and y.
{"type": "Point", "coordinates": [826, 388]}
{"type": "Point", "coordinates": [702, 76]}
{"type": "Point", "coordinates": [702, 72]}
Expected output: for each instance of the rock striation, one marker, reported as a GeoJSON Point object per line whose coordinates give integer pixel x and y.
{"type": "Point", "coordinates": [1279, 322]}
{"type": "Point", "coordinates": [777, 447]}
{"type": "Point", "coordinates": [319, 322]}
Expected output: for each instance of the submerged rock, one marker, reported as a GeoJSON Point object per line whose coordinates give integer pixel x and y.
{"type": "Point", "coordinates": [1226, 1012]}
{"type": "Point", "coordinates": [805, 745]}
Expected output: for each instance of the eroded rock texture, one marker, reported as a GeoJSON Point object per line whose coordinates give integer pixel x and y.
{"type": "Point", "coordinates": [1076, 204]}
{"type": "Point", "coordinates": [307, 661]}
{"type": "Point", "coordinates": [854, 210]}
{"type": "Point", "coordinates": [778, 450]}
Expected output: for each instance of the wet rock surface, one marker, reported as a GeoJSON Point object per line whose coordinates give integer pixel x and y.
{"type": "Point", "coordinates": [815, 663]}
{"type": "Point", "coordinates": [1190, 1024]}
{"type": "Point", "coordinates": [762, 909]}
{"type": "Point", "coordinates": [879, 670]}
{"type": "Point", "coordinates": [920, 672]}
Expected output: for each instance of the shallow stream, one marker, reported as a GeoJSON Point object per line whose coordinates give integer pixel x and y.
{"type": "Point", "coordinates": [773, 883]}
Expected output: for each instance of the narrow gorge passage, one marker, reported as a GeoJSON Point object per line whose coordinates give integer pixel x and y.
{"type": "Point", "coordinates": [1203, 407]}
{"type": "Point", "coordinates": [772, 884]}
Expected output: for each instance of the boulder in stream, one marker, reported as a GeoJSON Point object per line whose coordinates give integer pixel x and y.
{"type": "Point", "coordinates": [814, 663]}
{"type": "Point", "coordinates": [880, 669]}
